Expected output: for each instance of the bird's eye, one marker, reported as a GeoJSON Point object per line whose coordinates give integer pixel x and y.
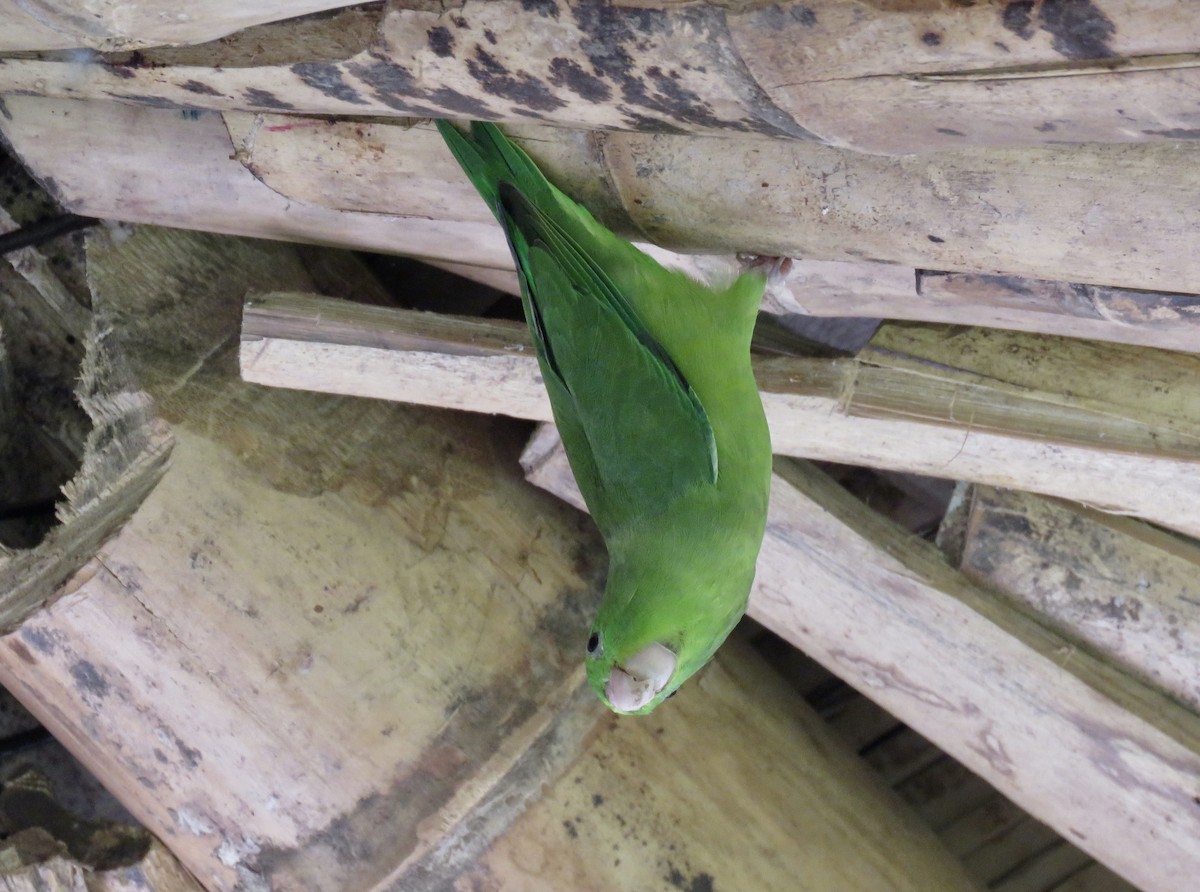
{"type": "Point", "coordinates": [595, 647]}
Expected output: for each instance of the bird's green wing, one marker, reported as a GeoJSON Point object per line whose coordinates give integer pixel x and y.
{"type": "Point", "coordinates": [634, 430]}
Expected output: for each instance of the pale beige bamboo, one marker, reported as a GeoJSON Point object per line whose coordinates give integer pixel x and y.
{"type": "Point", "coordinates": [1058, 213]}
{"type": "Point", "coordinates": [889, 291]}
{"type": "Point", "coordinates": [879, 79]}
{"type": "Point", "coordinates": [1005, 414]}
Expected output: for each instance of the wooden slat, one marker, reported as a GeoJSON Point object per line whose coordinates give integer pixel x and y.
{"type": "Point", "coordinates": [887, 291]}
{"type": "Point", "coordinates": [886, 409]}
{"type": "Point", "coordinates": [1109, 764]}
{"type": "Point", "coordinates": [1116, 586]}
{"type": "Point", "coordinates": [855, 74]}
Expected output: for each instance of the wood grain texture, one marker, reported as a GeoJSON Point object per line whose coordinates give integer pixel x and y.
{"type": "Point", "coordinates": [1120, 588]}
{"type": "Point", "coordinates": [1056, 213]}
{"type": "Point", "coordinates": [852, 73]}
{"type": "Point", "coordinates": [1094, 754]}
{"type": "Point", "coordinates": [975, 405]}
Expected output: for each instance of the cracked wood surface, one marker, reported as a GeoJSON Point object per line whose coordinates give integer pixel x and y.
{"type": "Point", "coordinates": [852, 73]}
{"type": "Point", "coordinates": [976, 404]}
{"type": "Point", "coordinates": [82, 440]}
{"type": "Point", "coordinates": [1112, 765]}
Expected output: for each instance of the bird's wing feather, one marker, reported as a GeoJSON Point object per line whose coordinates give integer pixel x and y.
{"type": "Point", "coordinates": [635, 432]}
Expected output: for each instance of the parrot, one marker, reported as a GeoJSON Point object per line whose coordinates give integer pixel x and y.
{"type": "Point", "coordinates": [649, 379]}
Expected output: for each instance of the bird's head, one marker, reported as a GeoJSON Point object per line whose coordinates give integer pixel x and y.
{"type": "Point", "coordinates": [654, 630]}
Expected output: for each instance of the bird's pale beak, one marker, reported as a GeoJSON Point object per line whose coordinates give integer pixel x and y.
{"type": "Point", "coordinates": [640, 678]}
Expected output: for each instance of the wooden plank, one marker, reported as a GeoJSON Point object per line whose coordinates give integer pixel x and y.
{"type": "Point", "coordinates": [1110, 764]}
{"type": "Point", "coordinates": [890, 80]}
{"type": "Point", "coordinates": [911, 412]}
{"type": "Point", "coordinates": [1057, 213]}
{"type": "Point", "coordinates": [887, 291]}
{"type": "Point", "coordinates": [351, 651]}
{"type": "Point", "coordinates": [1118, 587]}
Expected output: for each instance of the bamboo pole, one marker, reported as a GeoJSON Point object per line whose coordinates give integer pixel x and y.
{"type": "Point", "coordinates": [979, 405]}
{"type": "Point", "coordinates": [852, 74]}
{"type": "Point", "coordinates": [1059, 213]}
{"type": "Point", "coordinates": [1070, 309]}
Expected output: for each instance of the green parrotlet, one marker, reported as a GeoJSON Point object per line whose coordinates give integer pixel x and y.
{"type": "Point", "coordinates": [649, 378]}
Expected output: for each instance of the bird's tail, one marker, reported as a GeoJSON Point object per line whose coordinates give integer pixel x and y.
{"type": "Point", "coordinates": [489, 158]}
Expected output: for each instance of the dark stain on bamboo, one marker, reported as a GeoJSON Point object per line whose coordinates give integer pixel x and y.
{"type": "Point", "coordinates": [544, 8]}
{"type": "Point", "coordinates": [395, 86]}
{"type": "Point", "coordinates": [519, 87]}
{"type": "Point", "coordinates": [441, 41]}
{"type": "Point", "coordinates": [569, 74]}
{"type": "Point", "coordinates": [89, 680]}
{"type": "Point", "coordinates": [1175, 133]}
{"type": "Point", "coordinates": [1017, 17]}
{"type": "Point", "coordinates": [266, 99]}
{"type": "Point", "coordinates": [1078, 28]}
{"type": "Point", "coordinates": [202, 89]}
{"type": "Point", "coordinates": [327, 78]}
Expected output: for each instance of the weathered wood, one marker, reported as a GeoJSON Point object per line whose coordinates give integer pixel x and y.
{"type": "Point", "coordinates": [351, 648]}
{"type": "Point", "coordinates": [854, 74]}
{"type": "Point", "coordinates": [85, 440]}
{"type": "Point", "coordinates": [735, 699]}
{"type": "Point", "coordinates": [887, 291]}
{"type": "Point", "coordinates": [44, 841]}
{"type": "Point", "coordinates": [989, 406]}
{"type": "Point", "coordinates": [33, 861]}
{"type": "Point", "coordinates": [989, 211]}
{"type": "Point", "coordinates": [1118, 587]}
{"type": "Point", "coordinates": [1109, 763]}
{"type": "Point", "coordinates": [157, 871]}
{"type": "Point", "coordinates": [68, 24]}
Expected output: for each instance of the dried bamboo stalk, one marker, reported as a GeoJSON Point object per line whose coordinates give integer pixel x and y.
{"type": "Point", "coordinates": [1011, 419]}
{"type": "Point", "coordinates": [395, 188]}
{"type": "Point", "coordinates": [852, 74]}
